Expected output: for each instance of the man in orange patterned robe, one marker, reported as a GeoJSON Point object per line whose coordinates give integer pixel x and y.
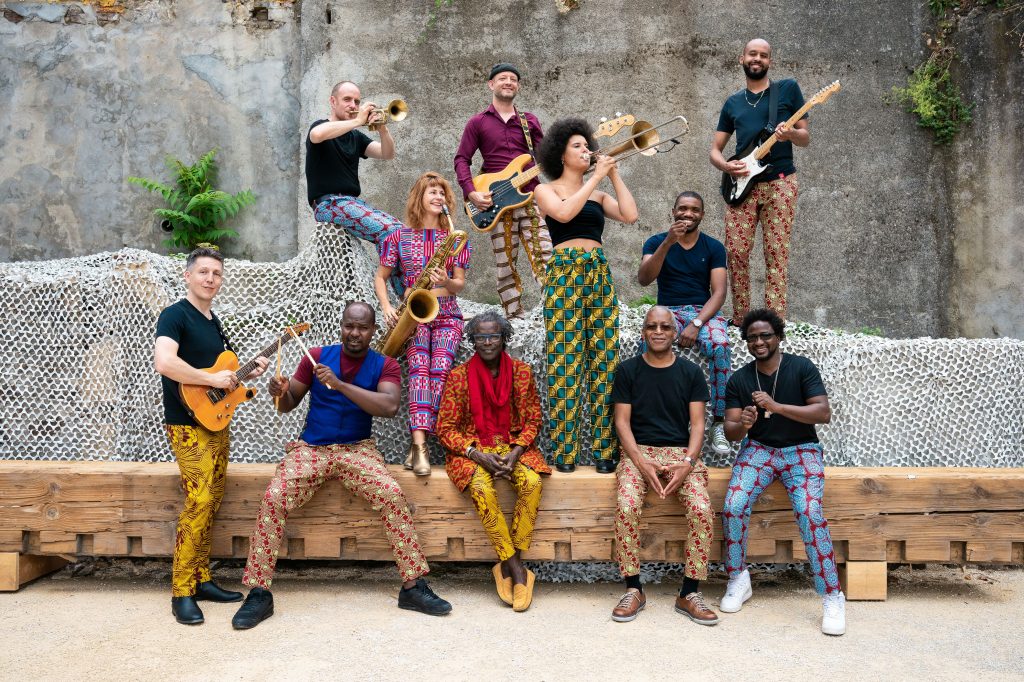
{"type": "Point", "coordinates": [488, 424]}
{"type": "Point", "coordinates": [657, 398]}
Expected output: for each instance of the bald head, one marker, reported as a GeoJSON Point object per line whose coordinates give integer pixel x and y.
{"type": "Point", "coordinates": [760, 44]}
{"type": "Point", "coordinates": [756, 58]}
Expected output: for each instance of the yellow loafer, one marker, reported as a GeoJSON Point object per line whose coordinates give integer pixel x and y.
{"type": "Point", "coordinates": [522, 595]}
{"type": "Point", "coordinates": [503, 584]}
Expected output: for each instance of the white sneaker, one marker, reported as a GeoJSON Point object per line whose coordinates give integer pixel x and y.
{"type": "Point", "coordinates": [833, 622]}
{"type": "Point", "coordinates": [719, 443]}
{"type": "Point", "coordinates": [736, 592]}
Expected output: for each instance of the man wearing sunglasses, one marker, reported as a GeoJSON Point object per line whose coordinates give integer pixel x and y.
{"type": "Point", "coordinates": [772, 404]}
{"type": "Point", "coordinates": [488, 423]}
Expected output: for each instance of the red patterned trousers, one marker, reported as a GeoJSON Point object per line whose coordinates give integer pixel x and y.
{"type": "Point", "coordinates": [694, 496]}
{"type": "Point", "coordinates": [773, 204]}
{"type": "Point", "coordinates": [360, 468]}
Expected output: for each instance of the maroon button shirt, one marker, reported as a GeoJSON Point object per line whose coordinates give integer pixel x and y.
{"type": "Point", "coordinates": [498, 141]}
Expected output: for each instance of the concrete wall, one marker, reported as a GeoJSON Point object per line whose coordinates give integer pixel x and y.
{"type": "Point", "coordinates": [891, 231]}
{"type": "Point", "coordinates": [88, 98]}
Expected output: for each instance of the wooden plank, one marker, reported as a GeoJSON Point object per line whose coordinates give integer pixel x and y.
{"type": "Point", "coordinates": [864, 580]}
{"type": "Point", "coordinates": [17, 569]}
{"type": "Point", "coordinates": [926, 549]}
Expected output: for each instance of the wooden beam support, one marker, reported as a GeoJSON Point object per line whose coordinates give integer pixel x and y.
{"type": "Point", "coordinates": [16, 569]}
{"type": "Point", "coordinates": [864, 580]}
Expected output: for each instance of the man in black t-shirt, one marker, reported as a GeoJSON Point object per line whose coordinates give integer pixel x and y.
{"type": "Point", "coordinates": [689, 267]}
{"type": "Point", "coordinates": [772, 404]}
{"type": "Point", "coordinates": [333, 148]}
{"type": "Point", "coordinates": [657, 396]}
{"type": "Point", "coordinates": [773, 199]}
{"type": "Point", "coordinates": [188, 338]}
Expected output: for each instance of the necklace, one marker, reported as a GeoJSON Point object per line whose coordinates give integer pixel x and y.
{"type": "Point", "coordinates": [758, 101]}
{"type": "Point", "coordinates": [757, 377]}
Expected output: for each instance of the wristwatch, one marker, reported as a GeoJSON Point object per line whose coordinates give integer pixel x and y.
{"type": "Point", "coordinates": [688, 460]}
{"type": "Point", "coordinates": [697, 322]}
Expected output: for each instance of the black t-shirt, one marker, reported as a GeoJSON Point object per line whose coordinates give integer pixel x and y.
{"type": "Point", "coordinates": [332, 167]}
{"type": "Point", "coordinates": [685, 276]}
{"type": "Point", "coordinates": [661, 398]}
{"type": "Point", "coordinates": [199, 344]}
{"type": "Point", "coordinates": [748, 121]}
{"type": "Point", "coordinates": [799, 380]}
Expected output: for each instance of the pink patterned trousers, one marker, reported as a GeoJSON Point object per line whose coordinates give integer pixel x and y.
{"type": "Point", "coordinates": [430, 355]}
{"type": "Point", "coordinates": [773, 204]}
{"type": "Point", "coordinates": [693, 494]}
{"type": "Point", "coordinates": [304, 469]}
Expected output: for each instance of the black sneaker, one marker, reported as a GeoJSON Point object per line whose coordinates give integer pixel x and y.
{"type": "Point", "coordinates": [258, 606]}
{"type": "Point", "coordinates": [421, 598]}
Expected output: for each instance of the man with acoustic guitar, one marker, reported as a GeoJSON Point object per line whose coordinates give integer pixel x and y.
{"type": "Point", "coordinates": [772, 201]}
{"type": "Point", "coordinates": [501, 133]}
{"type": "Point", "coordinates": [188, 338]}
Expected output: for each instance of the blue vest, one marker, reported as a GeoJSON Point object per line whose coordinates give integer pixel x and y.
{"type": "Point", "coordinates": [333, 418]}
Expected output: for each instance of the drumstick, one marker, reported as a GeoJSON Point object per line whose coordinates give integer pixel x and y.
{"type": "Point", "coordinates": [306, 351]}
{"type": "Point", "coordinates": [277, 373]}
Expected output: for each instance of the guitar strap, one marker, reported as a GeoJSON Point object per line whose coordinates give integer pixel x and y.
{"type": "Point", "coordinates": [534, 249]}
{"type": "Point", "coordinates": [223, 336]}
{"type": "Point", "coordinates": [773, 106]}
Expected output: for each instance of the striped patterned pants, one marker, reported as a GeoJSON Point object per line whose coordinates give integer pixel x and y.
{"type": "Point", "coordinates": [518, 224]}
{"type": "Point", "coordinates": [694, 497]}
{"type": "Point", "coordinates": [304, 469]}
{"type": "Point", "coordinates": [430, 355]}
{"type": "Point", "coordinates": [202, 458]}
{"type": "Point", "coordinates": [773, 204]}
{"type": "Point", "coordinates": [801, 470]}
{"type": "Point", "coordinates": [527, 484]}
{"type": "Point", "coordinates": [581, 320]}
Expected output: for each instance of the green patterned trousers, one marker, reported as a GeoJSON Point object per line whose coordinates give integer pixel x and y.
{"type": "Point", "coordinates": [581, 318]}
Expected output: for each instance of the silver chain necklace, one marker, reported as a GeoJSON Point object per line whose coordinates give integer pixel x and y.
{"type": "Point", "coordinates": [746, 90]}
{"type": "Point", "coordinates": [757, 377]}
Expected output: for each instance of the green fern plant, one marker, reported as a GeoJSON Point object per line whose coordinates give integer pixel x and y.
{"type": "Point", "coordinates": [195, 209]}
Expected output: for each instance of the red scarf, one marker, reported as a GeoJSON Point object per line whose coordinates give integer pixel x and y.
{"type": "Point", "coordinates": [490, 399]}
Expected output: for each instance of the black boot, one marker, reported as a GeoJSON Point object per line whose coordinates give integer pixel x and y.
{"type": "Point", "coordinates": [421, 598]}
{"type": "Point", "coordinates": [258, 606]}
{"type": "Point", "coordinates": [605, 466]}
{"type": "Point", "coordinates": [186, 610]}
{"type": "Point", "coordinates": [209, 591]}
{"type": "Point", "coordinates": [566, 468]}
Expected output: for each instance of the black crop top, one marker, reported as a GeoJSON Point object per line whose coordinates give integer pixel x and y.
{"type": "Point", "coordinates": [587, 224]}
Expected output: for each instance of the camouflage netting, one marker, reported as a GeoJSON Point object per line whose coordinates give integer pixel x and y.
{"type": "Point", "coordinates": [77, 379]}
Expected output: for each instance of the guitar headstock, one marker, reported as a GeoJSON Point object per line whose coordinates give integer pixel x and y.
{"type": "Point", "coordinates": [609, 128]}
{"type": "Point", "coordinates": [826, 92]}
{"type": "Point", "coordinates": [300, 328]}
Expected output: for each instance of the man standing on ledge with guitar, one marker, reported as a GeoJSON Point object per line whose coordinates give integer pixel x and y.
{"type": "Point", "coordinates": [502, 133]}
{"type": "Point", "coordinates": [188, 338]}
{"type": "Point", "coordinates": [753, 114]}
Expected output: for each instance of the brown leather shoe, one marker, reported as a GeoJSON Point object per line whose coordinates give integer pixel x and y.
{"type": "Point", "coordinates": [696, 609]}
{"type": "Point", "coordinates": [629, 606]}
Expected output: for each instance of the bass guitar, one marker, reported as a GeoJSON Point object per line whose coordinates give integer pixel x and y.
{"type": "Point", "coordinates": [504, 185]}
{"type": "Point", "coordinates": [213, 408]}
{"type": "Point", "coordinates": [736, 189]}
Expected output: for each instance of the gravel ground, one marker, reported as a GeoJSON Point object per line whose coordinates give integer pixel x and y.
{"type": "Point", "coordinates": [112, 620]}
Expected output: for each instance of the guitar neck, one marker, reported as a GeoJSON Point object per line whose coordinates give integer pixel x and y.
{"type": "Point", "coordinates": [525, 176]}
{"type": "Point", "coordinates": [248, 367]}
{"type": "Point", "coordinates": [767, 145]}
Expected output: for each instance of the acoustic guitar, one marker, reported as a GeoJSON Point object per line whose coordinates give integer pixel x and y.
{"type": "Point", "coordinates": [504, 185]}
{"type": "Point", "coordinates": [212, 407]}
{"type": "Point", "coordinates": [735, 190]}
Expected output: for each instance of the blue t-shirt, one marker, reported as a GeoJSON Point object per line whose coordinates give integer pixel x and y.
{"type": "Point", "coordinates": [748, 121]}
{"type": "Point", "coordinates": [685, 277]}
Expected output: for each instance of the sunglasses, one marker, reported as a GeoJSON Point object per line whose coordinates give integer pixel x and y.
{"type": "Point", "coordinates": [767, 336]}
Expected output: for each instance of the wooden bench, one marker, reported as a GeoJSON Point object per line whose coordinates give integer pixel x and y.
{"type": "Point", "coordinates": [54, 511]}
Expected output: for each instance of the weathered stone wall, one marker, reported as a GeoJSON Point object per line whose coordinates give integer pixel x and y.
{"type": "Point", "coordinates": [891, 231]}
{"type": "Point", "coordinates": [93, 93]}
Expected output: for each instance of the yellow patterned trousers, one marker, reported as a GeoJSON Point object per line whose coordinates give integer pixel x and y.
{"type": "Point", "coordinates": [581, 318]}
{"type": "Point", "coordinates": [526, 482]}
{"type": "Point", "coordinates": [693, 494]}
{"type": "Point", "coordinates": [202, 457]}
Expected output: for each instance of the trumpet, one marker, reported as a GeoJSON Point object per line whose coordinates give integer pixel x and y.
{"type": "Point", "coordinates": [396, 110]}
{"type": "Point", "coordinates": [644, 140]}
{"type": "Point", "coordinates": [421, 306]}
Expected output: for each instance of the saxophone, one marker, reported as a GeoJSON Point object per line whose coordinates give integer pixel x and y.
{"type": "Point", "coordinates": [420, 305]}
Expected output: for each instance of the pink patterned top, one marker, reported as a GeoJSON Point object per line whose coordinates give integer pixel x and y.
{"type": "Point", "coordinates": [414, 248]}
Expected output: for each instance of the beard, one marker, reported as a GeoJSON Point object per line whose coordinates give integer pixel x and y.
{"type": "Point", "coordinates": [755, 76]}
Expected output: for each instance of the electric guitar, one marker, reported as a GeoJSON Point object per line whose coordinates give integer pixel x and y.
{"type": "Point", "coordinates": [504, 185]}
{"type": "Point", "coordinates": [735, 190]}
{"type": "Point", "coordinates": [212, 407]}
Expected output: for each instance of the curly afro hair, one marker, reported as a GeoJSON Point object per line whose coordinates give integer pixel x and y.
{"type": "Point", "coordinates": [556, 139]}
{"type": "Point", "coordinates": [763, 315]}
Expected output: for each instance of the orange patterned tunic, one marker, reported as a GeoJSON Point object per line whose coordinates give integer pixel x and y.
{"type": "Point", "coordinates": [456, 430]}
